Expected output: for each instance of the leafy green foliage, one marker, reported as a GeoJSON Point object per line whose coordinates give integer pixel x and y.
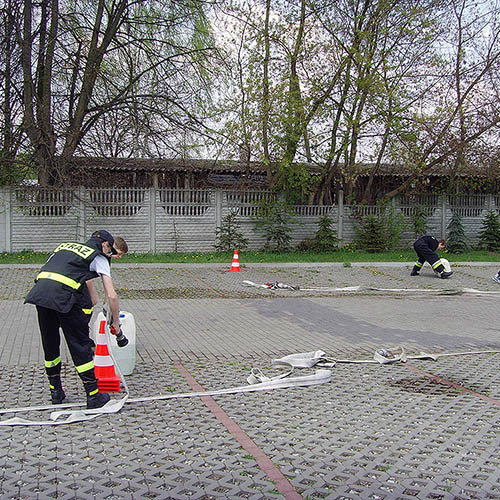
{"type": "Point", "coordinates": [273, 219]}
{"type": "Point", "coordinates": [13, 172]}
{"type": "Point", "coordinates": [381, 231]}
{"type": "Point", "coordinates": [418, 219]}
{"type": "Point", "coordinates": [325, 239]}
{"type": "Point", "coordinates": [457, 241]}
{"type": "Point", "coordinates": [294, 181]}
{"type": "Point", "coordinates": [371, 234]}
{"type": "Point", "coordinates": [229, 236]}
{"type": "Point", "coordinates": [393, 221]}
{"type": "Point", "coordinates": [489, 237]}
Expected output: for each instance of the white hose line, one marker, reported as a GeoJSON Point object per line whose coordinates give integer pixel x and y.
{"type": "Point", "coordinates": [358, 288]}
{"type": "Point", "coordinates": [81, 415]}
{"type": "Point", "coordinates": [378, 358]}
{"type": "Point", "coordinates": [257, 380]}
{"type": "Point", "coordinates": [320, 377]}
{"type": "Point", "coordinates": [278, 382]}
{"type": "Point", "coordinates": [425, 356]}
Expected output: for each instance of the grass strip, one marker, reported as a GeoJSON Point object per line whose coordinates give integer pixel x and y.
{"type": "Point", "coordinates": [248, 257]}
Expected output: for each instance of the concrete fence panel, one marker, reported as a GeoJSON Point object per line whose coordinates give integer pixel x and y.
{"type": "Point", "coordinates": [186, 220]}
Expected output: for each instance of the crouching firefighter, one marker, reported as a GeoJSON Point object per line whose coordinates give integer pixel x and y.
{"type": "Point", "coordinates": [426, 248]}
{"type": "Point", "coordinates": [57, 297]}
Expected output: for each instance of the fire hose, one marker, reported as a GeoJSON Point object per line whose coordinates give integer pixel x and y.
{"type": "Point", "coordinates": [257, 382]}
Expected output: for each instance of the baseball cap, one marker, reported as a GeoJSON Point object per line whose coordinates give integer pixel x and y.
{"type": "Point", "coordinates": [106, 236]}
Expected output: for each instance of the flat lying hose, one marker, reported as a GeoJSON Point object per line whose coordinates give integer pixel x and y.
{"type": "Point", "coordinates": [257, 383]}
{"type": "Point", "coordinates": [359, 288]}
{"type": "Point", "coordinates": [257, 380]}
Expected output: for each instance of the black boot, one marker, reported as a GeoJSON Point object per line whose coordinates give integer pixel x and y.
{"type": "Point", "coordinates": [415, 271]}
{"type": "Point", "coordinates": [97, 400]}
{"type": "Point", "coordinates": [445, 274]}
{"type": "Point", "coordinates": [57, 394]}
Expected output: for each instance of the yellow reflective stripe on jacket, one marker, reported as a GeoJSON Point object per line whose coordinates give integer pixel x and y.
{"type": "Point", "coordinates": [437, 264]}
{"type": "Point", "coordinates": [82, 250]}
{"type": "Point", "coordinates": [88, 311]}
{"type": "Point", "coordinates": [85, 367]}
{"type": "Point", "coordinates": [54, 362]}
{"type": "Point", "coordinates": [60, 278]}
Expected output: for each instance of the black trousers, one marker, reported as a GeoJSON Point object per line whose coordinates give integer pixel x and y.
{"type": "Point", "coordinates": [426, 254]}
{"type": "Point", "coordinates": [75, 327]}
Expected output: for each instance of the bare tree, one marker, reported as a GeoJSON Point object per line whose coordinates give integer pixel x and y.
{"type": "Point", "coordinates": [85, 62]}
{"type": "Point", "coordinates": [10, 80]}
{"type": "Point", "coordinates": [467, 109]}
{"type": "Point", "coordinates": [346, 84]}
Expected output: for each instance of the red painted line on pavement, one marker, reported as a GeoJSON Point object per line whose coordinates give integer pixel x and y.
{"type": "Point", "coordinates": [263, 461]}
{"type": "Point", "coordinates": [449, 383]}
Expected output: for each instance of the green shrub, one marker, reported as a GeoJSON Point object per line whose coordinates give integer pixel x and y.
{"type": "Point", "coordinates": [325, 239]}
{"type": "Point", "coordinates": [489, 236]}
{"type": "Point", "coordinates": [418, 218]}
{"type": "Point", "coordinates": [381, 231]}
{"type": "Point", "coordinates": [371, 234]}
{"type": "Point", "coordinates": [273, 219]}
{"type": "Point", "coordinates": [457, 241]}
{"type": "Point", "coordinates": [229, 236]}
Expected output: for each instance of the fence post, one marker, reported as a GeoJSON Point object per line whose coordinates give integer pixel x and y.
{"type": "Point", "coordinates": [443, 216]}
{"type": "Point", "coordinates": [340, 212]}
{"type": "Point", "coordinates": [6, 215]}
{"type": "Point", "coordinates": [218, 208]}
{"type": "Point", "coordinates": [152, 219]}
{"type": "Point", "coordinates": [80, 224]}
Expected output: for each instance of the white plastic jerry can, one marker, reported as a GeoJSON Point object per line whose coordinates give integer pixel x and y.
{"type": "Point", "coordinates": [123, 356]}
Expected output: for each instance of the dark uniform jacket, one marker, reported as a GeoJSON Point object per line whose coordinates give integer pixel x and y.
{"type": "Point", "coordinates": [427, 242]}
{"type": "Point", "coordinates": [61, 280]}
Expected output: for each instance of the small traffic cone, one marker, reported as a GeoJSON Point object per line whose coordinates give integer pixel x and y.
{"type": "Point", "coordinates": [235, 266]}
{"type": "Point", "coordinates": [107, 379]}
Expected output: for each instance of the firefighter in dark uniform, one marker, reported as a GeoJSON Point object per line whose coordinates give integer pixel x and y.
{"type": "Point", "coordinates": [58, 299]}
{"type": "Point", "coordinates": [426, 248]}
{"type": "Point", "coordinates": [89, 296]}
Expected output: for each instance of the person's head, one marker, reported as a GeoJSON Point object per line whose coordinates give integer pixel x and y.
{"type": "Point", "coordinates": [441, 244]}
{"type": "Point", "coordinates": [121, 247]}
{"type": "Point", "coordinates": [107, 241]}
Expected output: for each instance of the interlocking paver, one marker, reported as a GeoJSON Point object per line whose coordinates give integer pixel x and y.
{"type": "Point", "coordinates": [373, 432]}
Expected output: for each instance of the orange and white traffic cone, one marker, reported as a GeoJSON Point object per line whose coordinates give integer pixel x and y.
{"type": "Point", "coordinates": [235, 266]}
{"type": "Point", "coordinates": [104, 368]}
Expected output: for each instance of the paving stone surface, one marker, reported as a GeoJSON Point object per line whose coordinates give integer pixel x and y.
{"type": "Point", "coordinates": [423, 429]}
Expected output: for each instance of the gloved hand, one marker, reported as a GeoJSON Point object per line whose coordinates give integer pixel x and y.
{"type": "Point", "coordinates": [115, 328]}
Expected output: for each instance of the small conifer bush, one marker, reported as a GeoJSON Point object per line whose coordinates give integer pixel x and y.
{"type": "Point", "coordinates": [457, 241]}
{"type": "Point", "coordinates": [228, 234]}
{"type": "Point", "coordinates": [273, 220]}
{"type": "Point", "coordinates": [489, 237]}
{"type": "Point", "coordinates": [325, 239]}
{"type": "Point", "coordinates": [371, 235]}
